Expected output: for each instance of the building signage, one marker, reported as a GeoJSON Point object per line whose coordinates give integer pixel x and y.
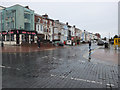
{"type": "Point", "coordinates": [4, 33]}
{"type": "Point", "coordinates": [23, 32]}
{"type": "Point", "coordinates": [33, 33]}
{"type": "Point", "coordinates": [10, 32]}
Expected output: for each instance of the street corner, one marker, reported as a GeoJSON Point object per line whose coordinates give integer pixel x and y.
{"type": "Point", "coordinates": [109, 55]}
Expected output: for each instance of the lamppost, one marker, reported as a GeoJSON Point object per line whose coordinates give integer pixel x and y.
{"type": "Point", "coordinates": [2, 45]}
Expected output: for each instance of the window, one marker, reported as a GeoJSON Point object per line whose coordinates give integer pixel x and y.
{"type": "Point", "coordinates": [49, 30]}
{"type": "Point", "coordinates": [27, 15]}
{"type": "Point", "coordinates": [38, 27]}
{"type": "Point", "coordinates": [23, 38]}
{"type": "Point", "coordinates": [7, 37]}
{"type": "Point", "coordinates": [41, 27]}
{"type": "Point", "coordinates": [50, 22]}
{"type": "Point", "coordinates": [38, 20]}
{"type": "Point", "coordinates": [12, 37]}
{"type": "Point", "coordinates": [3, 37]}
{"type": "Point", "coordinates": [27, 26]}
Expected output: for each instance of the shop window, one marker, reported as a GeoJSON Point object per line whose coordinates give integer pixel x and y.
{"type": "Point", "coordinates": [9, 37]}
{"type": "Point", "coordinates": [12, 37]}
{"type": "Point", "coordinates": [2, 37]}
{"type": "Point", "coordinates": [23, 38]}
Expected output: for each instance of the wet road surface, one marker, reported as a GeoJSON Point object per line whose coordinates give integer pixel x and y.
{"type": "Point", "coordinates": [60, 68]}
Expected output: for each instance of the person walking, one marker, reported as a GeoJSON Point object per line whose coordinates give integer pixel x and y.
{"type": "Point", "coordinates": [89, 51]}
{"type": "Point", "coordinates": [38, 42]}
{"type": "Point", "coordinates": [89, 45]}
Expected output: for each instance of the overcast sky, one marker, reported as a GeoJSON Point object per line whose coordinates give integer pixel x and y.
{"type": "Point", "coordinates": [95, 17]}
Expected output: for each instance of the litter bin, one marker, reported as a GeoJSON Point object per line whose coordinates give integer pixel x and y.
{"type": "Point", "coordinates": [106, 45]}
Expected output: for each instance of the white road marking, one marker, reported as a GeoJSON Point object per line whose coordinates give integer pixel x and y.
{"type": "Point", "coordinates": [54, 58]}
{"type": "Point", "coordinates": [45, 57]}
{"type": "Point", "coordinates": [8, 67]}
{"type": "Point", "coordinates": [60, 59]}
{"type": "Point", "coordinates": [2, 66]}
{"type": "Point", "coordinates": [82, 61]}
{"type": "Point", "coordinates": [78, 79]}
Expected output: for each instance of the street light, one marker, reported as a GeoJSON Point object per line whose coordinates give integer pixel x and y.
{"type": "Point", "coordinates": [2, 45]}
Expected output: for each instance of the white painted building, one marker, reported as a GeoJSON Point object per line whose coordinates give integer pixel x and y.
{"type": "Point", "coordinates": [64, 33]}
{"type": "Point", "coordinates": [72, 31]}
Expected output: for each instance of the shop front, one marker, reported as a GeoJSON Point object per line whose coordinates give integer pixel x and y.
{"type": "Point", "coordinates": [17, 37]}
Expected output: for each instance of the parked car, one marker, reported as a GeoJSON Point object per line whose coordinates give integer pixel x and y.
{"type": "Point", "coordinates": [61, 44]}
{"type": "Point", "coordinates": [58, 43]}
{"type": "Point", "coordinates": [94, 41]}
{"type": "Point", "coordinates": [100, 42]}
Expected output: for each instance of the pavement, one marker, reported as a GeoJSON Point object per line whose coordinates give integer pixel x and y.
{"type": "Point", "coordinates": [109, 55]}
{"type": "Point", "coordinates": [59, 68]}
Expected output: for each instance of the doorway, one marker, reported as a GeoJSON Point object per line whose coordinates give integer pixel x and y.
{"type": "Point", "coordinates": [17, 38]}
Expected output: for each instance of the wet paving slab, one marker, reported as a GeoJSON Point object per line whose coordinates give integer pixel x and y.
{"type": "Point", "coordinates": [106, 55]}
{"type": "Point", "coordinates": [60, 68]}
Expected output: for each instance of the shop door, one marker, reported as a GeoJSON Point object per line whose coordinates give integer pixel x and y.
{"type": "Point", "coordinates": [27, 38]}
{"type": "Point", "coordinates": [32, 38]}
{"type": "Point", "coordinates": [17, 38]}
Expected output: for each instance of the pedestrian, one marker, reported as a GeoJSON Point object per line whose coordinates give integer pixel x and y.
{"type": "Point", "coordinates": [38, 42]}
{"type": "Point", "coordinates": [89, 45]}
{"type": "Point", "coordinates": [89, 50]}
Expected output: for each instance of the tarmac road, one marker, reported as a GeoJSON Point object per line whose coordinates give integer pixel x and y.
{"type": "Point", "coordinates": [59, 68]}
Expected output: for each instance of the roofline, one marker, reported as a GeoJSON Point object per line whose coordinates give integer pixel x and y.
{"type": "Point", "coordinates": [2, 7]}
{"type": "Point", "coordinates": [19, 5]}
{"type": "Point", "coordinates": [37, 14]}
{"type": "Point", "coordinates": [43, 17]}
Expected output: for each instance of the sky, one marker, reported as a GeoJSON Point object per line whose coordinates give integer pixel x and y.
{"type": "Point", "coordinates": [94, 17]}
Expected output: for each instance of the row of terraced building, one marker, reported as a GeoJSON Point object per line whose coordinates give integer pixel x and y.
{"type": "Point", "coordinates": [21, 25]}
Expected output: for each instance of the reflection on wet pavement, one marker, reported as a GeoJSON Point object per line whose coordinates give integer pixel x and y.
{"type": "Point", "coordinates": [109, 55]}
{"type": "Point", "coordinates": [60, 68]}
